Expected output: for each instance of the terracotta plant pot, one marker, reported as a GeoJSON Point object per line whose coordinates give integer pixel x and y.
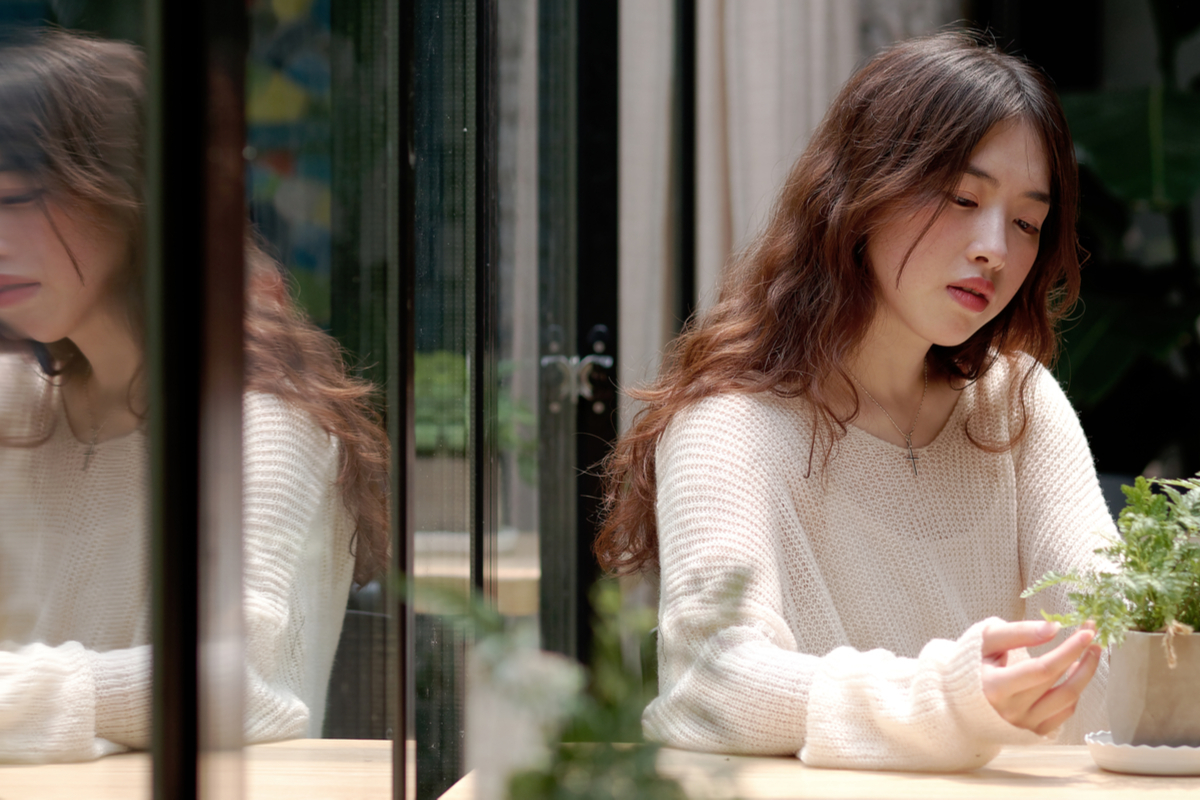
{"type": "Point", "coordinates": [1148, 702]}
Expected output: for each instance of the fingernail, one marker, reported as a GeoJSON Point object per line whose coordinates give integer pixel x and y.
{"type": "Point", "coordinates": [1049, 628]}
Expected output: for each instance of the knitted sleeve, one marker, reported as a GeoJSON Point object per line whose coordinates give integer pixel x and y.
{"type": "Point", "coordinates": [1062, 519]}
{"type": "Point", "coordinates": [732, 678]}
{"type": "Point", "coordinates": [51, 700]}
{"type": "Point", "coordinates": [295, 577]}
{"type": "Point", "coordinates": [297, 566]}
{"type": "Point", "coordinates": [68, 703]}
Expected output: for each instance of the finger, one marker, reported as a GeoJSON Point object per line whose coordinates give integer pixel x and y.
{"type": "Point", "coordinates": [1029, 697]}
{"type": "Point", "coordinates": [1024, 700]}
{"type": "Point", "coordinates": [1048, 725]}
{"type": "Point", "coordinates": [1066, 694]}
{"type": "Point", "coordinates": [1001, 637]}
{"type": "Point", "coordinates": [1092, 650]}
{"type": "Point", "coordinates": [1043, 672]}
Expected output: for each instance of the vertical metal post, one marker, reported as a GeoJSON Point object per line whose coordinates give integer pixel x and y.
{"type": "Point", "coordinates": [683, 200]}
{"type": "Point", "coordinates": [401, 271]}
{"type": "Point", "coordinates": [195, 224]}
{"type": "Point", "coordinates": [558, 587]}
{"type": "Point", "coordinates": [485, 454]}
{"type": "Point", "coordinates": [596, 269]}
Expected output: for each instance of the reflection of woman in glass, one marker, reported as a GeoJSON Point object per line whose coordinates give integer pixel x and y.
{"type": "Point", "coordinates": [863, 430]}
{"type": "Point", "coordinates": [74, 581]}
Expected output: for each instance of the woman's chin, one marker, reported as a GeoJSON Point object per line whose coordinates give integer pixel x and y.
{"type": "Point", "coordinates": [954, 338]}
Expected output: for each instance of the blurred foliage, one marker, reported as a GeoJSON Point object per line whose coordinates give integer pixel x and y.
{"type": "Point", "coordinates": [442, 408]}
{"type": "Point", "coordinates": [1134, 338]}
{"type": "Point", "coordinates": [443, 417]}
{"type": "Point", "coordinates": [601, 763]}
{"type": "Point", "coordinates": [517, 427]}
{"type": "Point", "coordinates": [599, 753]}
{"type": "Point", "coordinates": [1142, 142]}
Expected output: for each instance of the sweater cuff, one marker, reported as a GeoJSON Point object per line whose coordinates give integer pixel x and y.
{"type": "Point", "coordinates": [47, 708]}
{"type": "Point", "coordinates": [122, 686]}
{"type": "Point", "coordinates": [875, 710]}
{"type": "Point", "coordinates": [964, 683]}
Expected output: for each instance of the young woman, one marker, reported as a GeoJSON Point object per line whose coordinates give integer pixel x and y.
{"type": "Point", "coordinates": [74, 575]}
{"type": "Point", "coordinates": [852, 465]}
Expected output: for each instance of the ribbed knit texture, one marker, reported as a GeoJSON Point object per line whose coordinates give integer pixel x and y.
{"type": "Point", "coordinates": [864, 590]}
{"type": "Point", "coordinates": [75, 578]}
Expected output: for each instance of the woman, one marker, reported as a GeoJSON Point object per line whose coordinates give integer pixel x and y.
{"type": "Point", "coordinates": [852, 465]}
{"type": "Point", "coordinates": [74, 576]}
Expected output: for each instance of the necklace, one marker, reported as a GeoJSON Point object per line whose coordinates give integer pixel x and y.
{"type": "Point", "coordinates": [95, 432]}
{"type": "Point", "coordinates": [911, 457]}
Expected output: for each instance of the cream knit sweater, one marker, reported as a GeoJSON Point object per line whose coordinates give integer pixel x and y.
{"type": "Point", "coordinates": [864, 590]}
{"type": "Point", "coordinates": [75, 579]}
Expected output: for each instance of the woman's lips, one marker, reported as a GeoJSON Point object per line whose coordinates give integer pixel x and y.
{"type": "Point", "coordinates": [15, 291]}
{"type": "Point", "coordinates": [973, 294]}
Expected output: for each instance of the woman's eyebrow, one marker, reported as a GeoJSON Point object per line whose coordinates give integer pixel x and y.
{"type": "Point", "coordinates": [1041, 197]}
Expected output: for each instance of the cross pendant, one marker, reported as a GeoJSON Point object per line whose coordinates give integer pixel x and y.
{"type": "Point", "coordinates": [912, 458]}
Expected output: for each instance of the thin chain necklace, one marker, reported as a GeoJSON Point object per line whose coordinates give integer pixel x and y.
{"type": "Point", "coordinates": [911, 457]}
{"type": "Point", "coordinates": [95, 432]}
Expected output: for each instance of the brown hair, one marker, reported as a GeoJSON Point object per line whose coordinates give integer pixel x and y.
{"type": "Point", "coordinates": [73, 120]}
{"type": "Point", "coordinates": [793, 307]}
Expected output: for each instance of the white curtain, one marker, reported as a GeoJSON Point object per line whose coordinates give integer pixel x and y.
{"type": "Point", "coordinates": [645, 279]}
{"type": "Point", "coordinates": [766, 71]}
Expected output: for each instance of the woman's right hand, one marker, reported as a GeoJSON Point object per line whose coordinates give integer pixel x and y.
{"type": "Point", "coordinates": [1025, 693]}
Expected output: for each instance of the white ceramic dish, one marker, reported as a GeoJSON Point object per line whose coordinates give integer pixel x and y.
{"type": "Point", "coordinates": [1143, 759]}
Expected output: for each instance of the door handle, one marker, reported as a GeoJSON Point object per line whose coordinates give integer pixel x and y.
{"type": "Point", "coordinates": [575, 375]}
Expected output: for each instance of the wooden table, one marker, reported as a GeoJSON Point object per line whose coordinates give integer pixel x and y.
{"type": "Point", "coordinates": [1019, 773]}
{"type": "Point", "coordinates": [304, 769]}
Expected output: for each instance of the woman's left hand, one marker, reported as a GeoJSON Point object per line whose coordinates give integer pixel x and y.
{"type": "Point", "coordinates": [1028, 694]}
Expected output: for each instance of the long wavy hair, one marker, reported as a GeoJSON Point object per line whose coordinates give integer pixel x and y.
{"type": "Point", "coordinates": [73, 120]}
{"type": "Point", "coordinates": [795, 306]}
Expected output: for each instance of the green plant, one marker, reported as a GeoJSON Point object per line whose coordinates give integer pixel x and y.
{"type": "Point", "coordinates": [1154, 581]}
{"type": "Point", "coordinates": [442, 423]}
{"type": "Point", "coordinates": [517, 426]}
{"type": "Point", "coordinates": [599, 762]}
{"type": "Point", "coordinates": [593, 737]}
{"type": "Point", "coordinates": [442, 408]}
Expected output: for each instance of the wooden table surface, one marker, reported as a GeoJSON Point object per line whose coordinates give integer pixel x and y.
{"type": "Point", "coordinates": [1019, 773]}
{"type": "Point", "coordinates": [304, 769]}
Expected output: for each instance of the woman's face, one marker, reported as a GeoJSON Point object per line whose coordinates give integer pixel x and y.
{"type": "Point", "coordinates": [42, 296]}
{"type": "Point", "coordinates": [973, 259]}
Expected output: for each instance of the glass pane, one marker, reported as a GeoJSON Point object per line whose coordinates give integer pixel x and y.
{"type": "Point", "coordinates": [518, 561]}
{"type": "Point", "coordinates": [318, 178]}
{"type": "Point", "coordinates": [74, 549]}
{"type": "Point", "coordinates": [445, 247]}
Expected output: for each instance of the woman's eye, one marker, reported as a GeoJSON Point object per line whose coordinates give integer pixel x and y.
{"type": "Point", "coordinates": [1028, 227]}
{"type": "Point", "coordinates": [24, 198]}
{"type": "Point", "coordinates": [965, 202]}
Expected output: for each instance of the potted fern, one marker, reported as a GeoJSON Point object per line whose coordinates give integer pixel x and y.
{"type": "Point", "coordinates": [1146, 604]}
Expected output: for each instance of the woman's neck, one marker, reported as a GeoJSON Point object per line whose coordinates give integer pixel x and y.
{"type": "Point", "coordinates": [891, 366]}
{"type": "Point", "coordinates": [104, 402]}
{"type": "Point", "coordinates": [897, 394]}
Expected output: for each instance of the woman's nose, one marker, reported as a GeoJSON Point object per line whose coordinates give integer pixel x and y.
{"type": "Point", "coordinates": [989, 245]}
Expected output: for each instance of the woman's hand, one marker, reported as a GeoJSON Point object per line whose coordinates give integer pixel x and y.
{"type": "Point", "coordinates": [1025, 694]}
